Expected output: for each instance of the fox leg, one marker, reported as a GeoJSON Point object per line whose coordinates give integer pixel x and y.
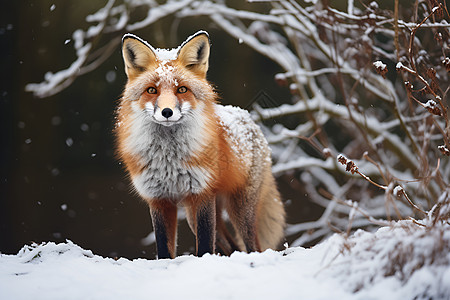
{"type": "Point", "coordinates": [164, 219]}
{"type": "Point", "coordinates": [225, 243]}
{"type": "Point", "coordinates": [242, 212]}
{"type": "Point", "coordinates": [202, 221]}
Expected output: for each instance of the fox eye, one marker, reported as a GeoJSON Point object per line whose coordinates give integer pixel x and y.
{"type": "Point", "coordinates": [151, 90]}
{"type": "Point", "coordinates": [182, 89]}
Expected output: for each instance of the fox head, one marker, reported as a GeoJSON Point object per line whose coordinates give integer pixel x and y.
{"type": "Point", "coordinates": [168, 86]}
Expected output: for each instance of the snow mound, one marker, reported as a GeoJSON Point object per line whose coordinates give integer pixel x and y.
{"type": "Point", "coordinates": [404, 261]}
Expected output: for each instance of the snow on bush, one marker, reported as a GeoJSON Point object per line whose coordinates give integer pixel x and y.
{"type": "Point", "coordinates": [397, 262]}
{"type": "Point", "coordinates": [403, 251]}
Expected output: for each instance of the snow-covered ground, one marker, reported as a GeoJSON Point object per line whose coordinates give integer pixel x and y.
{"type": "Point", "coordinates": [405, 261]}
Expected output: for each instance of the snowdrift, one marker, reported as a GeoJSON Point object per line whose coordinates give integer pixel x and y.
{"type": "Point", "coordinates": [404, 261]}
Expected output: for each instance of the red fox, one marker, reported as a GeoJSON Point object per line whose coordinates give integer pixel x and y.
{"type": "Point", "coordinates": [181, 148]}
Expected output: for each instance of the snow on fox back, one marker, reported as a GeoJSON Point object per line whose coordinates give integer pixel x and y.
{"type": "Point", "coordinates": [244, 136]}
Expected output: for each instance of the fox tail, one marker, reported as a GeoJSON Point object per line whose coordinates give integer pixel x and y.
{"type": "Point", "coordinates": [271, 216]}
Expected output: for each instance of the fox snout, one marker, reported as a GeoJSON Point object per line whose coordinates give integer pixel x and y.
{"type": "Point", "coordinates": [166, 110]}
{"type": "Point", "coordinates": [167, 113]}
{"type": "Point", "coordinates": [167, 116]}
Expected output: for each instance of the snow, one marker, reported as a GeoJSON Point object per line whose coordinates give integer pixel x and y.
{"type": "Point", "coordinates": [373, 5]}
{"type": "Point", "coordinates": [302, 163]}
{"type": "Point", "coordinates": [379, 65]}
{"type": "Point", "coordinates": [242, 132]}
{"type": "Point", "coordinates": [167, 54]}
{"type": "Point", "coordinates": [398, 191]}
{"type": "Point", "coordinates": [350, 7]}
{"type": "Point", "coordinates": [110, 76]}
{"type": "Point", "coordinates": [165, 73]}
{"type": "Point", "coordinates": [354, 207]}
{"type": "Point", "coordinates": [430, 104]}
{"type": "Point", "coordinates": [326, 152]}
{"type": "Point", "coordinates": [403, 261]}
{"type": "Point", "coordinates": [69, 142]}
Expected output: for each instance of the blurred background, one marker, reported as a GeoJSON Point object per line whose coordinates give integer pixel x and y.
{"type": "Point", "coordinates": [59, 175]}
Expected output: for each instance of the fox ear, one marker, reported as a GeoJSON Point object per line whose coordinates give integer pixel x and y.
{"type": "Point", "coordinates": [194, 53]}
{"type": "Point", "coordinates": [137, 55]}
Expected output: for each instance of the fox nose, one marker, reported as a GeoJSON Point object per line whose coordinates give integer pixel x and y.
{"type": "Point", "coordinates": [167, 112]}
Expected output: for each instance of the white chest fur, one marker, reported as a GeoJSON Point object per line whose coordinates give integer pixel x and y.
{"type": "Point", "coordinates": [163, 151]}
